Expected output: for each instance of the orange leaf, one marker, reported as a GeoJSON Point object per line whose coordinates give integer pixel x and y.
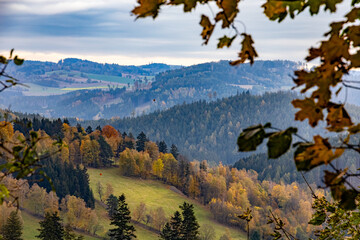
{"type": "Point", "coordinates": [148, 8]}
{"type": "Point", "coordinates": [308, 156]}
{"type": "Point", "coordinates": [309, 110]}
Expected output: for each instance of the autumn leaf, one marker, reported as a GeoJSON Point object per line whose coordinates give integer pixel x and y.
{"type": "Point", "coordinates": [188, 4]}
{"type": "Point", "coordinates": [248, 52]}
{"type": "Point", "coordinates": [275, 10]}
{"type": "Point", "coordinates": [337, 117]}
{"type": "Point", "coordinates": [353, 15]}
{"type": "Point", "coordinates": [309, 110]}
{"type": "Point", "coordinates": [310, 155]}
{"type": "Point", "coordinates": [229, 12]}
{"type": "Point", "coordinates": [148, 8]}
{"type": "Point", "coordinates": [208, 28]}
{"type": "Point", "coordinates": [225, 41]}
{"type": "Point", "coordinates": [354, 129]}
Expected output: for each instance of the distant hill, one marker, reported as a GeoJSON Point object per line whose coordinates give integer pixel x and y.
{"type": "Point", "coordinates": [89, 90]}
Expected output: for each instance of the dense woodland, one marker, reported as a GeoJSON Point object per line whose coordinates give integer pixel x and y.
{"type": "Point", "coordinates": [208, 130]}
{"type": "Point", "coordinates": [226, 191]}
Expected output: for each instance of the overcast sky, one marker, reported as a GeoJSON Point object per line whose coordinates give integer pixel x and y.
{"type": "Point", "coordinates": [104, 31]}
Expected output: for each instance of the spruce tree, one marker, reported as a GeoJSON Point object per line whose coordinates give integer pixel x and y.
{"type": "Point", "coordinates": [89, 130]}
{"type": "Point", "coordinates": [174, 151]}
{"type": "Point", "coordinates": [121, 219]}
{"type": "Point", "coordinates": [12, 229]}
{"type": "Point", "coordinates": [163, 147]}
{"type": "Point", "coordinates": [111, 205]}
{"type": "Point", "coordinates": [106, 152]}
{"type": "Point", "coordinates": [51, 227]}
{"type": "Point", "coordinates": [172, 229]}
{"type": "Point", "coordinates": [140, 143]}
{"type": "Point", "coordinates": [189, 226]}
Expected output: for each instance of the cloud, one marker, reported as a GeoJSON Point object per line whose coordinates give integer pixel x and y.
{"type": "Point", "coordinates": [50, 7]}
{"type": "Point", "coordinates": [104, 30]}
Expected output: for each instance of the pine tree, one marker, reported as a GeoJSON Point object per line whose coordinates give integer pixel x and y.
{"type": "Point", "coordinates": [12, 229]}
{"type": "Point", "coordinates": [89, 130]}
{"type": "Point", "coordinates": [111, 203]}
{"type": "Point", "coordinates": [140, 143]}
{"type": "Point", "coordinates": [121, 219]}
{"type": "Point", "coordinates": [105, 152]}
{"type": "Point", "coordinates": [70, 235]}
{"type": "Point", "coordinates": [174, 151]}
{"type": "Point", "coordinates": [189, 226]}
{"type": "Point", "coordinates": [172, 229]}
{"type": "Point", "coordinates": [51, 228]}
{"type": "Point", "coordinates": [163, 147]}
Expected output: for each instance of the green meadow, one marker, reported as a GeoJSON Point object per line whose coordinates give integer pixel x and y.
{"type": "Point", "coordinates": [154, 194]}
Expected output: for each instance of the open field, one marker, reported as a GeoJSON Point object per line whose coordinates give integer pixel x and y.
{"type": "Point", "coordinates": [31, 224]}
{"type": "Point", "coordinates": [154, 194]}
{"type": "Point", "coordinates": [114, 79]}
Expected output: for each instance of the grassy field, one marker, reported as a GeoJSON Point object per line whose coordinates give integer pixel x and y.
{"type": "Point", "coordinates": [31, 224]}
{"type": "Point", "coordinates": [107, 78]}
{"type": "Point", "coordinates": [115, 79]}
{"type": "Point", "coordinates": [84, 88]}
{"type": "Point", "coordinates": [154, 194]}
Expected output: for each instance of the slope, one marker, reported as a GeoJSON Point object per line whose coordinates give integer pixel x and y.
{"type": "Point", "coordinates": [154, 194]}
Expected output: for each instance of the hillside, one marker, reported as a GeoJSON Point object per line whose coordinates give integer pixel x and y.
{"type": "Point", "coordinates": [208, 130]}
{"type": "Point", "coordinates": [154, 194]}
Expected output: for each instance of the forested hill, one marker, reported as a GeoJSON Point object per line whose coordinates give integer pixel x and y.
{"type": "Point", "coordinates": [208, 130]}
{"type": "Point", "coordinates": [73, 64]}
{"type": "Point", "coordinates": [259, 76]}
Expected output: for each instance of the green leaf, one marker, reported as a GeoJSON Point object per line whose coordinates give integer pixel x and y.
{"type": "Point", "coordinates": [4, 193]}
{"type": "Point", "coordinates": [280, 142]}
{"type": "Point", "coordinates": [18, 61]}
{"type": "Point", "coordinates": [225, 41]}
{"type": "Point", "coordinates": [250, 138]}
{"type": "Point", "coordinates": [3, 60]}
{"type": "Point", "coordinates": [318, 218]}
